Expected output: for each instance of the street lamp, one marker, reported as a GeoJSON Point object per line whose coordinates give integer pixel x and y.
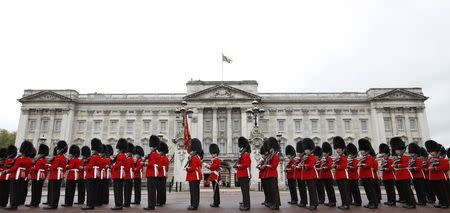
{"type": "Point", "coordinates": [255, 111]}
{"type": "Point", "coordinates": [180, 111]}
{"type": "Point", "coordinates": [279, 136]}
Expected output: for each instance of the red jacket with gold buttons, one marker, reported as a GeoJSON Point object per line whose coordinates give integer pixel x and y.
{"type": "Point", "coordinates": [290, 170]}
{"type": "Point", "coordinates": [271, 169]}
{"type": "Point", "coordinates": [309, 171]}
{"type": "Point", "coordinates": [56, 169]}
{"type": "Point", "coordinates": [299, 169]}
{"type": "Point", "coordinates": [215, 169]}
{"type": "Point", "coordinates": [194, 169]}
{"type": "Point", "coordinates": [93, 170]}
{"type": "Point", "coordinates": [352, 170]}
{"type": "Point", "coordinates": [20, 168]}
{"type": "Point", "coordinates": [129, 163]}
{"type": "Point", "coordinates": [325, 171]}
{"type": "Point", "coordinates": [72, 169]}
{"type": "Point", "coordinates": [39, 170]}
{"type": "Point", "coordinates": [340, 171]}
{"type": "Point", "coordinates": [401, 169]}
{"type": "Point", "coordinates": [438, 172]}
{"type": "Point", "coordinates": [137, 169]}
{"type": "Point", "coordinates": [152, 165]}
{"type": "Point", "coordinates": [243, 170]}
{"type": "Point", "coordinates": [416, 170]}
{"type": "Point", "coordinates": [365, 169]}
{"type": "Point", "coordinates": [163, 166]}
{"type": "Point", "coordinates": [388, 170]}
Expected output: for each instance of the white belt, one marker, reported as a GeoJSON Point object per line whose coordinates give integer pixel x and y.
{"type": "Point", "coordinates": [131, 173]}
{"type": "Point", "coordinates": [198, 177]}
{"type": "Point", "coordinates": [317, 174]}
{"type": "Point", "coordinates": [164, 171]}
{"type": "Point", "coordinates": [96, 171]}
{"type": "Point", "coordinates": [59, 173]}
{"type": "Point", "coordinates": [155, 168]}
{"type": "Point", "coordinates": [108, 173]}
{"type": "Point", "coordinates": [7, 176]}
{"type": "Point", "coordinates": [140, 172]}
{"type": "Point", "coordinates": [18, 172]}
{"type": "Point", "coordinates": [76, 173]}
{"type": "Point", "coordinates": [122, 172]}
{"type": "Point", "coordinates": [216, 173]}
{"type": "Point", "coordinates": [39, 174]}
{"type": "Point", "coordinates": [84, 174]}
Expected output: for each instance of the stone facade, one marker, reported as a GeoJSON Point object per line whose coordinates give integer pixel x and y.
{"type": "Point", "coordinates": [219, 116]}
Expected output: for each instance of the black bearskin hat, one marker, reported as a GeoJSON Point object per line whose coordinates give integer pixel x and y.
{"type": "Point", "coordinates": [364, 144]}
{"type": "Point", "coordinates": [214, 149]}
{"type": "Point", "coordinates": [351, 149]}
{"type": "Point", "coordinates": [86, 151]}
{"type": "Point", "coordinates": [96, 145]}
{"type": "Point", "coordinates": [299, 147]}
{"type": "Point", "coordinates": [263, 150]}
{"type": "Point", "coordinates": [26, 148]}
{"type": "Point", "coordinates": [196, 146]}
{"type": "Point", "coordinates": [162, 147]}
{"type": "Point", "coordinates": [109, 151]}
{"type": "Point", "coordinates": [138, 150]}
{"type": "Point", "coordinates": [326, 148]}
{"type": "Point", "coordinates": [432, 146]}
{"type": "Point", "coordinates": [413, 148]}
{"type": "Point", "coordinates": [448, 153]}
{"type": "Point", "coordinates": [384, 148]}
{"type": "Point", "coordinates": [273, 144]}
{"type": "Point", "coordinates": [317, 151]}
{"type": "Point", "coordinates": [3, 153]}
{"type": "Point", "coordinates": [32, 153]}
{"type": "Point", "coordinates": [154, 141]}
{"type": "Point", "coordinates": [122, 145]}
{"type": "Point", "coordinates": [61, 147]}
{"type": "Point", "coordinates": [308, 143]}
{"type": "Point", "coordinates": [290, 150]}
{"type": "Point", "coordinates": [442, 151]}
{"type": "Point", "coordinates": [372, 152]}
{"type": "Point", "coordinates": [243, 144]}
{"type": "Point", "coordinates": [74, 150]}
{"type": "Point", "coordinates": [12, 151]}
{"type": "Point", "coordinates": [397, 143]}
{"type": "Point", "coordinates": [43, 150]}
{"type": "Point", "coordinates": [130, 148]}
{"type": "Point", "coordinates": [423, 152]}
{"type": "Point", "coordinates": [338, 143]}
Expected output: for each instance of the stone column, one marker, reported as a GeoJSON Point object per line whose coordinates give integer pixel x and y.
{"type": "Point", "coordinates": [200, 124]}
{"type": "Point", "coordinates": [229, 131]}
{"type": "Point", "coordinates": [37, 131]}
{"type": "Point", "coordinates": [23, 127]}
{"type": "Point", "coordinates": [423, 124]}
{"type": "Point", "coordinates": [214, 125]}
{"type": "Point", "coordinates": [51, 125]}
{"type": "Point", "coordinates": [244, 123]}
{"type": "Point", "coordinates": [67, 124]}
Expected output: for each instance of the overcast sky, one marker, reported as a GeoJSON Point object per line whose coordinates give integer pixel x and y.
{"type": "Point", "coordinates": [287, 46]}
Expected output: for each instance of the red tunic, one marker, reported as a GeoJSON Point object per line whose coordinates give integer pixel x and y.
{"type": "Point", "coordinates": [39, 170]}
{"type": "Point", "coordinates": [72, 169]}
{"type": "Point", "coordinates": [82, 171]}
{"type": "Point", "coordinates": [299, 169]}
{"type": "Point", "coordinates": [129, 164]}
{"type": "Point", "coordinates": [438, 172]}
{"type": "Point", "coordinates": [152, 165]}
{"type": "Point", "coordinates": [118, 167]}
{"type": "Point", "coordinates": [163, 166]}
{"type": "Point", "coordinates": [352, 170]}
{"type": "Point", "coordinates": [93, 167]}
{"type": "Point", "coordinates": [105, 171]}
{"type": "Point", "coordinates": [3, 176]}
{"type": "Point", "coordinates": [325, 172]}
{"type": "Point", "coordinates": [243, 170]}
{"type": "Point", "coordinates": [375, 170]}
{"type": "Point", "coordinates": [20, 168]}
{"type": "Point", "coordinates": [290, 170]}
{"type": "Point", "coordinates": [366, 169]}
{"type": "Point", "coordinates": [194, 169]}
{"type": "Point", "coordinates": [215, 169]}
{"type": "Point", "coordinates": [388, 170]}
{"type": "Point", "coordinates": [137, 169]}
{"type": "Point", "coordinates": [271, 169]}
{"type": "Point", "coordinates": [401, 169]}
{"type": "Point", "coordinates": [56, 169]}
{"type": "Point", "coordinates": [340, 171]}
{"type": "Point", "coordinates": [309, 170]}
{"type": "Point", "coordinates": [416, 170]}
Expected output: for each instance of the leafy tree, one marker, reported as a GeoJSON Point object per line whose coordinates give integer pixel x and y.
{"type": "Point", "coordinates": [6, 138]}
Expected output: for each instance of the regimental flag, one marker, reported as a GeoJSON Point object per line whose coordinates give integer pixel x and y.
{"type": "Point", "coordinates": [226, 58]}
{"type": "Point", "coordinates": [186, 133]}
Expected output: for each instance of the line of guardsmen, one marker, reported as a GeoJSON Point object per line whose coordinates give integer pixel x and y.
{"type": "Point", "coordinates": [311, 169]}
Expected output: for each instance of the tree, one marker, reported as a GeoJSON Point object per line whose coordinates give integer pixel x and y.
{"type": "Point", "coordinates": [7, 138]}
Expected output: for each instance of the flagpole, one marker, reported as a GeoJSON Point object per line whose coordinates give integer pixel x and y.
{"type": "Point", "coordinates": [222, 66]}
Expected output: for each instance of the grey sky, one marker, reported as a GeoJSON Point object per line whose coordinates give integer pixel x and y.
{"type": "Point", "coordinates": [287, 46]}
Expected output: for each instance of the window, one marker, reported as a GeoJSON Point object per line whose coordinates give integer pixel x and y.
{"type": "Point", "coordinates": [331, 125]}
{"type": "Point", "coordinates": [97, 126]}
{"type": "Point", "coordinates": [236, 125]}
{"type": "Point", "coordinates": [57, 126]}
{"type": "Point", "coordinates": [280, 125]}
{"type": "Point", "coordinates": [314, 125]}
{"type": "Point", "coordinates": [387, 124]}
{"type": "Point", "coordinates": [81, 126]}
{"type": "Point", "coordinates": [298, 125]}
{"type": "Point", "coordinates": [364, 126]}
{"type": "Point", "coordinates": [32, 125]}
{"type": "Point", "coordinates": [44, 125]}
{"type": "Point", "coordinates": [413, 124]}
{"type": "Point", "coordinates": [207, 127]}
{"type": "Point", "coordinates": [163, 126]}
{"type": "Point", "coordinates": [222, 125]}
{"type": "Point", "coordinates": [113, 126]}
{"type": "Point", "coordinates": [264, 124]}
{"type": "Point", "coordinates": [179, 126]}
{"type": "Point", "coordinates": [222, 146]}
{"type": "Point", "coordinates": [283, 148]}
{"type": "Point", "coordinates": [347, 125]}
{"type": "Point", "coordinates": [400, 124]}
{"type": "Point", "coordinates": [130, 126]}
{"type": "Point", "coordinates": [235, 148]}
{"type": "Point", "coordinates": [146, 126]}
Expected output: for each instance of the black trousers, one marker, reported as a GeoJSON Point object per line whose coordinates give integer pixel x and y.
{"type": "Point", "coordinates": [81, 191]}
{"type": "Point", "coordinates": [344, 191]}
{"type": "Point", "coordinates": [419, 187]}
{"type": "Point", "coordinates": [328, 185]}
{"type": "Point", "coordinates": [194, 189]}
{"type": "Point", "coordinates": [320, 190]}
{"type": "Point", "coordinates": [161, 191]}
{"type": "Point", "coordinates": [4, 196]}
{"type": "Point", "coordinates": [70, 191]}
{"type": "Point", "coordinates": [54, 190]}
{"type": "Point", "coordinates": [405, 189]}
{"type": "Point", "coordinates": [24, 192]}
{"type": "Point", "coordinates": [16, 190]}
{"type": "Point", "coordinates": [273, 198]}
{"type": "Point", "coordinates": [431, 197]}
{"type": "Point", "coordinates": [302, 191]}
{"type": "Point", "coordinates": [401, 196]}
{"type": "Point", "coordinates": [312, 192]}
{"type": "Point", "coordinates": [245, 189]}
{"type": "Point", "coordinates": [137, 190]}
{"type": "Point", "coordinates": [216, 190]}
{"type": "Point", "coordinates": [389, 186]}
{"type": "Point", "coordinates": [292, 185]}
{"type": "Point", "coordinates": [128, 189]}
{"type": "Point", "coordinates": [105, 191]}
{"type": "Point", "coordinates": [353, 186]}
{"type": "Point", "coordinates": [92, 186]}
{"type": "Point", "coordinates": [439, 190]}
{"type": "Point", "coordinates": [151, 187]}
{"type": "Point", "coordinates": [265, 188]}
{"type": "Point", "coordinates": [370, 191]}
{"type": "Point", "coordinates": [118, 192]}
{"type": "Point", "coordinates": [36, 192]}
{"type": "Point", "coordinates": [376, 184]}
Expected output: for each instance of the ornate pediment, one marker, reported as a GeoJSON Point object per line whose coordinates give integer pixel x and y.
{"type": "Point", "coordinates": [222, 92]}
{"type": "Point", "coordinates": [399, 94]}
{"type": "Point", "coordinates": [45, 96]}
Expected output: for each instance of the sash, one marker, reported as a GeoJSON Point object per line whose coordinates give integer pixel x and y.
{"type": "Point", "coordinates": [59, 173]}
{"type": "Point", "coordinates": [40, 174]}
{"type": "Point", "coordinates": [95, 171]}
{"type": "Point", "coordinates": [19, 172]}
{"type": "Point", "coordinates": [122, 172]}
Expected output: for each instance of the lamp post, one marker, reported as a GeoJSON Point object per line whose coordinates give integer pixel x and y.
{"type": "Point", "coordinates": [180, 111]}
{"type": "Point", "coordinates": [255, 112]}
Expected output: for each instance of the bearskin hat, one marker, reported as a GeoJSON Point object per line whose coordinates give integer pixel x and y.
{"type": "Point", "coordinates": [326, 148]}
{"type": "Point", "coordinates": [12, 151]}
{"type": "Point", "coordinates": [43, 150]}
{"type": "Point", "coordinates": [109, 151]}
{"type": "Point", "coordinates": [74, 150]}
{"type": "Point", "coordinates": [26, 148]}
{"type": "Point", "coordinates": [351, 149]}
{"type": "Point", "coordinates": [86, 151]}
{"type": "Point", "coordinates": [432, 146]}
{"type": "Point", "coordinates": [384, 148]}
{"type": "Point", "coordinates": [61, 147]}
{"type": "Point", "coordinates": [154, 141]}
{"type": "Point", "coordinates": [3, 153]}
{"type": "Point", "coordinates": [338, 143]}
{"type": "Point", "coordinates": [299, 147]}
{"type": "Point", "coordinates": [32, 153]}
{"type": "Point", "coordinates": [442, 151]}
{"type": "Point", "coordinates": [364, 144]}
{"type": "Point", "coordinates": [308, 143]}
{"type": "Point", "coordinates": [423, 152]}
{"type": "Point", "coordinates": [214, 149]}
{"type": "Point", "coordinates": [413, 148]}
{"type": "Point", "coordinates": [130, 148]}
{"type": "Point", "coordinates": [263, 150]}
{"type": "Point", "coordinates": [273, 144]}
{"type": "Point", "coordinates": [196, 146]}
{"type": "Point", "coordinates": [317, 151]}
{"type": "Point", "coordinates": [138, 150]}
{"type": "Point", "coordinates": [397, 143]}
{"type": "Point", "coordinates": [372, 152]}
{"type": "Point", "coordinates": [122, 145]}
{"type": "Point", "coordinates": [289, 150]}
{"type": "Point", "coordinates": [162, 147]}
{"type": "Point", "coordinates": [96, 145]}
{"type": "Point", "coordinates": [244, 144]}
{"type": "Point", "coordinates": [448, 153]}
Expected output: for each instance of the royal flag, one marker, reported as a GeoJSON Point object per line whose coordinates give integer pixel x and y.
{"type": "Point", "coordinates": [226, 58]}
{"type": "Point", "coordinates": [186, 133]}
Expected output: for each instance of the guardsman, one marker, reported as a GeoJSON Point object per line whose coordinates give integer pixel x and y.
{"type": "Point", "coordinates": [415, 167]}
{"type": "Point", "coordinates": [376, 179]}
{"type": "Point", "coordinates": [271, 165]}
{"type": "Point", "coordinates": [309, 172]}
{"type": "Point", "coordinates": [437, 167]}
{"type": "Point", "coordinates": [319, 184]}
{"type": "Point", "coordinates": [56, 174]}
{"type": "Point", "coordinates": [152, 172]}
{"type": "Point", "coordinates": [118, 172]}
{"type": "Point", "coordinates": [92, 169]}
{"type": "Point", "coordinates": [300, 182]}
{"type": "Point", "coordinates": [340, 172]}
{"type": "Point", "coordinates": [38, 175]}
{"type": "Point", "coordinates": [194, 172]}
{"type": "Point", "coordinates": [163, 171]}
{"type": "Point", "coordinates": [105, 176]}
{"type": "Point", "coordinates": [215, 170]}
{"type": "Point", "coordinates": [85, 154]}
{"type": "Point", "coordinates": [262, 172]}
{"type": "Point", "coordinates": [290, 174]}
{"type": "Point", "coordinates": [137, 177]}
{"type": "Point", "coordinates": [353, 175]}
{"type": "Point", "coordinates": [387, 171]}
{"type": "Point", "coordinates": [128, 182]}
{"type": "Point", "coordinates": [325, 174]}
{"type": "Point", "coordinates": [366, 175]}
{"type": "Point", "coordinates": [72, 170]}
{"type": "Point", "coordinates": [243, 172]}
